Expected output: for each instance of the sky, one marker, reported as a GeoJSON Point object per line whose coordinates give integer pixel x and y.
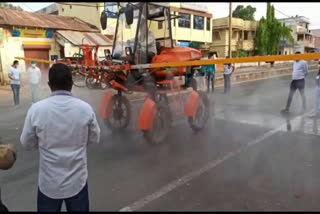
{"type": "Point", "coordinates": [283, 9]}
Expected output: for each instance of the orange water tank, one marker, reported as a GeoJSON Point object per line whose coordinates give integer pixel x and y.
{"type": "Point", "coordinates": [177, 54]}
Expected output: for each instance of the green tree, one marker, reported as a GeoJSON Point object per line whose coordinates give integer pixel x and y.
{"type": "Point", "coordinates": [270, 32]}
{"type": "Point", "coordinates": [246, 13]}
{"type": "Point", "coordinates": [10, 6]}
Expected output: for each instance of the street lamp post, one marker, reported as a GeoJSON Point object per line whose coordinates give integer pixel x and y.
{"type": "Point", "coordinates": [230, 29]}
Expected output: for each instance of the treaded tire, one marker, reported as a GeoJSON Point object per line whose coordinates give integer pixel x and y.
{"type": "Point", "coordinates": [203, 110]}
{"type": "Point", "coordinates": [161, 125]}
{"type": "Point", "coordinates": [116, 114]}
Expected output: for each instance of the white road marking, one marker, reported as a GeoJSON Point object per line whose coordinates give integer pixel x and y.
{"type": "Point", "coordinates": [211, 165]}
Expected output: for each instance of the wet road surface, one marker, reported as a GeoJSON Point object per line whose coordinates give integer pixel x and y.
{"type": "Point", "coordinates": [249, 157]}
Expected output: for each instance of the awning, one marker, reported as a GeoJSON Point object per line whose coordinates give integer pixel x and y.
{"type": "Point", "coordinates": [36, 45]}
{"type": "Point", "coordinates": [81, 38]}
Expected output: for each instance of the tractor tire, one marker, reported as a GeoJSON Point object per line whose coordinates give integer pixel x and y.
{"type": "Point", "coordinates": [79, 79]}
{"type": "Point", "coordinates": [103, 84]}
{"type": "Point", "coordinates": [118, 120]}
{"type": "Point", "coordinates": [193, 84]}
{"type": "Point", "coordinates": [161, 126]}
{"type": "Point", "coordinates": [90, 82]}
{"type": "Point", "coordinates": [199, 121]}
{"type": "Point", "coordinates": [191, 80]}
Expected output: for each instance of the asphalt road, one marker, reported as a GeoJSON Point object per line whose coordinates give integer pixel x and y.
{"type": "Point", "coordinates": [249, 157]}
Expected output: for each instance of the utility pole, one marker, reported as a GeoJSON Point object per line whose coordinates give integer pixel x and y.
{"type": "Point", "coordinates": [230, 29]}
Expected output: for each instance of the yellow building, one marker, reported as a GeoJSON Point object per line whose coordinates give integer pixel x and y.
{"type": "Point", "coordinates": [193, 29]}
{"type": "Point", "coordinates": [87, 11]}
{"type": "Point", "coordinates": [193, 26]}
{"type": "Point", "coordinates": [243, 34]}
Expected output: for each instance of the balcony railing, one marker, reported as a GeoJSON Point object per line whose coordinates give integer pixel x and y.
{"type": "Point", "coordinates": [245, 44]}
{"type": "Point", "coordinates": [306, 43]}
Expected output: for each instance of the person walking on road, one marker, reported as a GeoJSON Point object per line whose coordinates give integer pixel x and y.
{"type": "Point", "coordinates": [34, 80]}
{"type": "Point", "coordinates": [202, 73]}
{"type": "Point", "coordinates": [300, 71]}
{"type": "Point", "coordinates": [316, 95]}
{"type": "Point", "coordinates": [14, 76]}
{"type": "Point", "coordinates": [61, 127]}
{"type": "Point", "coordinates": [210, 74]}
{"type": "Point", "coordinates": [228, 71]}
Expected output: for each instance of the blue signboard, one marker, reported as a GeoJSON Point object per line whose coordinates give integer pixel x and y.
{"type": "Point", "coordinates": [49, 33]}
{"type": "Point", "coordinates": [184, 44]}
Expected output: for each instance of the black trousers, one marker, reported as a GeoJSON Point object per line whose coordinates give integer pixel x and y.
{"type": "Point", "coordinates": [210, 78]}
{"type": "Point", "coordinates": [296, 84]}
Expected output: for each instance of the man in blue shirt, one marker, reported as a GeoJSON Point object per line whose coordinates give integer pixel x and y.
{"type": "Point", "coordinates": [14, 75]}
{"type": "Point", "coordinates": [300, 71]}
{"type": "Point", "coordinates": [210, 73]}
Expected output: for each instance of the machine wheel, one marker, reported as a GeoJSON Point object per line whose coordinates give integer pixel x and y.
{"type": "Point", "coordinates": [193, 84]}
{"type": "Point", "coordinates": [91, 82]}
{"type": "Point", "coordinates": [199, 121]}
{"type": "Point", "coordinates": [192, 81]}
{"type": "Point", "coordinates": [103, 84]}
{"type": "Point", "coordinates": [79, 79]}
{"type": "Point", "coordinates": [120, 113]}
{"type": "Point", "coordinates": [161, 125]}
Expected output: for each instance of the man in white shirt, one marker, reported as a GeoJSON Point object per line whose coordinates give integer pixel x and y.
{"type": "Point", "coordinates": [14, 76]}
{"type": "Point", "coordinates": [228, 71]}
{"type": "Point", "coordinates": [300, 71]}
{"type": "Point", "coordinates": [61, 126]}
{"type": "Point", "coordinates": [34, 80]}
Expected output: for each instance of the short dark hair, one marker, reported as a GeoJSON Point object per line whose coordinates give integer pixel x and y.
{"type": "Point", "coordinates": [15, 62]}
{"type": "Point", "coordinates": [298, 52]}
{"type": "Point", "coordinates": [60, 77]}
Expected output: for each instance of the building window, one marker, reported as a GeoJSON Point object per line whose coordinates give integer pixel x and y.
{"type": "Point", "coordinates": [246, 35]}
{"type": "Point", "coordinates": [62, 9]}
{"type": "Point", "coordinates": [70, 6]}
{"type": "Point", "coordinates": [160, 25]}
{"type": "Point", "coordinates": [300, 37]}
{"type": "Point", "coordinates": [112, 8]}
{"type": "Point", "coordinates": [198, 22]}
{"type": "Point", "coordinates": [234, 34]}
{"type": "Point", "coordinates": [184, 20]}
{"type": "Point", "coordinates": [253, 34]}
{"type": "Point", "coordinates": [216, 35]}
{"type": "Point", "coordinates": [208, 23]}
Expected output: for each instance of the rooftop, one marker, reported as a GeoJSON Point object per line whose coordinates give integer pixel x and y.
{"type": "Point", "coordinates": [300, 18]}
{"type": "Point", "coordinates": [37, 20]}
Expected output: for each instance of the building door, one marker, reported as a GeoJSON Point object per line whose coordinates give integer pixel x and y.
{"type": "Point", "coordinates": [38, 54]}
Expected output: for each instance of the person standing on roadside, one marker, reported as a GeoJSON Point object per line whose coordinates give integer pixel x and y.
{"type": "Point", "coordinates": [14, 76]}
{"type": "Point", "coordinates": [228, 71]}
{"type": "Point", "coordinates": [300, 71]}
{"type": "Point", "coordinates": [316, 95]}
{"type": "Point", "coordinates": [61, 127]}
{"type": "Point", "coordinates": [202, 74]}
{"type": "Point", "coordinates": [210, 74]}
{"type": "Point", "coordinates": [34, 80]}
